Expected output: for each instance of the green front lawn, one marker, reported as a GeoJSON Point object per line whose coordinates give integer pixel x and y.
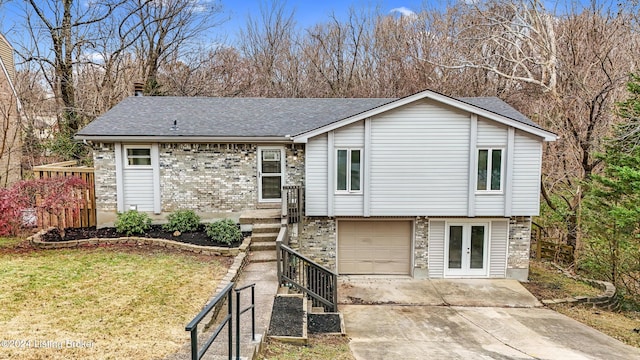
{"type": "Point", "coordinates": [119, 302]}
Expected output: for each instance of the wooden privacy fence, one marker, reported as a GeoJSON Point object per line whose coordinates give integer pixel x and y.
{"type": "Point", "coordinates": [549, 248]}
{"type": "Point", "coordinates": [82, 216]}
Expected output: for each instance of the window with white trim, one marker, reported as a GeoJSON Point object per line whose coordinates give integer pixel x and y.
{"type": "Point", "coordinates": [348, 170]}
{"type": "Point", "coordinates": [138, 156]}
{"type": "Point", "coordinates": [490, 166]}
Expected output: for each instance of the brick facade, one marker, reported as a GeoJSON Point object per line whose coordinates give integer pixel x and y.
{"type": "Point", "coordinates": [519, 247]}
{"type": "Point", "coordinates": [421, 248]}
{"type": "Point", "coordinates": [212, 179]}
{"type": "Point", "coordinates": [104, 163]}
{"type": "Point", "coordinates": [208, 178]}
{"type": "Point", "coordinates": [317, 240]}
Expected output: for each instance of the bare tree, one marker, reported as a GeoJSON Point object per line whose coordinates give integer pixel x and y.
{"type": "Point", "coordinates": [335, 51]}
{"type": "Point", "coordinates": [268, 44]}
{"type": "Point", "coordinates": [219, 72]}
{"type": "Point", "coordinates": [167, 28]}
{"type": "Point", "coordinates": [60, 31]}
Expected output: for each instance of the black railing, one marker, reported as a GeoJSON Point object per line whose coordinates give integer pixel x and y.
{"type": "Point", "coordinates": [226, 293]}
{"type": "Point", "coordinates": [293, 202]}
{"type": "Point", "coordinates": [192, 327]}
{"type": "Point", "coordinates": [304, 275]}
{"type": "Point", "coordinates": [239, 312]}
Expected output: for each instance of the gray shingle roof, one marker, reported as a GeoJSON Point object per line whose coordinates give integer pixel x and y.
{"type": "Point", "coordinates": [244, 117]}
{"type": "Point", "coordinates": [196, 116]}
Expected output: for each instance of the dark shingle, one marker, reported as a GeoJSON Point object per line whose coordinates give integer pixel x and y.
{"type": "Point", "coordinates": [499, 107]}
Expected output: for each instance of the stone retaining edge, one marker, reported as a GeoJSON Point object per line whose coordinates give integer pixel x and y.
{"type": "Point", "coordinates": [608, 299]}
{"type": "Point", "coordinates": [232, 275]}
{"type": "Point", "coordinates": [36, 240]}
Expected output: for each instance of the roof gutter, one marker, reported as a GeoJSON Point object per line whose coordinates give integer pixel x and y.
{"type": "Point", "coordinates": [188, 139]}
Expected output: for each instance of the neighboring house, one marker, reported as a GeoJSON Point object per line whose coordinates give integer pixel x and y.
{"type": "Point", "coordinates": [426, 185]}
{"type": "Point", "coordinates": [10, 132]}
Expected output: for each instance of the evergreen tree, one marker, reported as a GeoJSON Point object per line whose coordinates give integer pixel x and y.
{"type": "Point", "coordinates": [611, 216]}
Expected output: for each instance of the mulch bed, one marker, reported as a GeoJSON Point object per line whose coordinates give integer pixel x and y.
{"type": "Point", "coordinates": [286, 317]}
{"type": "Point", "coordinates": [323, 323]}
{"type": "Point", "coordinates": [198, 237]}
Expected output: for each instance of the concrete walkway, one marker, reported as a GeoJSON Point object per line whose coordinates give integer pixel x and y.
{"type": "Point", "coordinates": [264, 275]}
{"type": "Point", "coordinates": [463, 319]}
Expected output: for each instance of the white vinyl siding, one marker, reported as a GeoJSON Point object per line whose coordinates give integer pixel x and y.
{"type": "Point", "coordinates": [489, 204]}
{"type": "Point", "coordinates": [498, 250]}
{"type": "Point", "coordinates": [316, 176]}
{"type": "Point", "coordinates": [348, 205]}
{"type": "Point", "coordinates": [436, 248]}
{"type": "Point", "coordinates": [350, 136]}
{"type": "Point", "coordinates": [419, 161]}
{"type": "Point", "coordinates": [491, 134]}
{"type": "Point", "coordinates": [138, 189]}
{"type": "Point", "coordinates": [138, 177]}
{"type": "Point", "coordinates": [416, 162]}
{"type": "Point", "coordinates": [526, 175]}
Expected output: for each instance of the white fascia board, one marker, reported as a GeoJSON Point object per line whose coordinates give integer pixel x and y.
{"type": "Point", "coordinates": [428, 94]}
{"type": "Point", "coordinates": [186, 139]}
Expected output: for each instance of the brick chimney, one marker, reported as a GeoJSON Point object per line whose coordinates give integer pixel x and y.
{"type": "Point", "coordinates": [138, 88]}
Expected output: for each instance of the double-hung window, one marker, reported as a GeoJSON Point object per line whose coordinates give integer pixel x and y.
{"type": "Point", "coordinates": [348, 170]}
{"type": "Point", "coordinates": [490, 167]}
{"type": "Point", "coordinates": [138, 156]}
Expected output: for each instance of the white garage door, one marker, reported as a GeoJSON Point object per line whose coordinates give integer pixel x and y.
{"type": "Point", "coordinates": [374, 247]}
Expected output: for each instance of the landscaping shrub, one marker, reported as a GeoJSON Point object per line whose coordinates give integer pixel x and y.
{"type": "Point", "coordinates": [182, 221]}
{"type": "Point", "coordinates": [224, 231]}
{"type": "Point", "coordinates": [132, 222]}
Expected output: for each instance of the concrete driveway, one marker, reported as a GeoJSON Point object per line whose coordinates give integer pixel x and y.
{"type": "Point", "coordinates": [463, 319]}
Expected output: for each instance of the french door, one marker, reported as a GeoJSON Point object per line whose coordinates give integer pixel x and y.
{"type": "Point", "coordinates": [466, 250]}
{"type": "Point", "coordinates": [270, 173]}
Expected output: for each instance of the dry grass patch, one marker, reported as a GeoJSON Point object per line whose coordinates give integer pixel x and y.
{"type": "Point", "coordinates": [617, 325]}
{"type": "Point", "coordinates": [546, 282]}
{"type": "Point", "coordinates": [122, 302]}
{"type": "Point", "coordinates": [320, 347]}
{"type": "Point", "coordinates": [9, 242]}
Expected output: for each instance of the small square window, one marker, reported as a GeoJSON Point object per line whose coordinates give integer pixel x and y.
{"type": "Point", "coordinates": [139, 157]}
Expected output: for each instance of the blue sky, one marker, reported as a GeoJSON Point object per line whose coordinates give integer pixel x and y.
{"type": "Point", "coordinates": [306, 12]}
{"type": "Point", "coordinates": [311, 12]}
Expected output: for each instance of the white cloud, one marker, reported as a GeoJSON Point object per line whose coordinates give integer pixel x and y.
{"type": "Point", "coordinates": [94, 57]}
{"type": "Point", "coordinates": [403, 11]}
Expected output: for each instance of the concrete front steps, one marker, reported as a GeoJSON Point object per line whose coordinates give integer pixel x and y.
{"type": "Point", "coordinates": [265, 227]}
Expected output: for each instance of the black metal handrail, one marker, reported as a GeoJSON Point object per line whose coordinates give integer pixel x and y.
{"type": "Point", "coordinates": [239, 312]}
{"type": "Point", "coordinates": [293, 202]}
{"type": "Point", "coordinates": [302, 273]}
{"type": "Point", "coordinates": [192, 327]}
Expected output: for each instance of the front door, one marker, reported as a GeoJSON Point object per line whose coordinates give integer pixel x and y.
{"type": "Point", "coordinates": [466, 250]}
{"type": "Point", "coordinates": [270, 173]}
